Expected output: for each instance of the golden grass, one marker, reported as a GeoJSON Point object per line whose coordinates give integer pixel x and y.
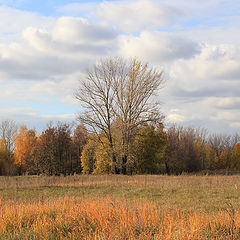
{"type": "Point", "coordinates": [120, 207]}
{"type": "Point", "coordinates": [110, 218]}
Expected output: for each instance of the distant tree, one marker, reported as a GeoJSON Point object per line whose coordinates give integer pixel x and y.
{"type": "Point", "coordinates": [185, 149]}
{"type": "Point", "coordinates": [103, 163]}
{"type": "Point", "coordinates": [46, 152]}
{"type": "Point", "coordinates": [235, 157]}
{"type": "Point", "coordinates": [53, 151]}
{"type": "Point", "coordinates": [79, 140]}
{"type": "Point", "coordinates": [8, 130]}
{"type": "Point", "coordinates": [199, 147]}
{"type": "Point", "coordinates": [189, 138]}
{"type": "Point", "coordinates": [3, 157]}
{"type": "Point", "coordinates": [63, 147]}
{"type": "Point", "coordinates": [211, 159]}
{"type": "Point", "coordinates": [24, 143]}
{"type": "Point", "coordinates": [150, 146]}
{"type": "Point", "coordinates": [172, 163]}
{"type": "Point", "coordinates": [115, 89]}
{"type": "Point", "coordinates": [222, 160]}
{"type": "Point", "coordinates": [88, 156]}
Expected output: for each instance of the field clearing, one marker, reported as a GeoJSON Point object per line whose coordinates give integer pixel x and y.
{"type": "Point", "coordinates": [120, 207]}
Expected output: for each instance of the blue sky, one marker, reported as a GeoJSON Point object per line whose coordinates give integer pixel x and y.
{"type": "Point", "coordinates": [44, 7]}
{"type": "Point", "coordinates": [46, 45]}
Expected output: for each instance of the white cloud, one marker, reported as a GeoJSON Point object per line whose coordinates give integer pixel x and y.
{"type": "Point", "coordinates": [227, 115]}
{"type": "Point", "coordinates": [132, 16]}
{"type": "Point", "coordinates": [41, 58]}
{"type": "Point", "coordinates": [24, 92]}
{"type": "Point", "coordinates": [174, 117]}
{"type": "Point", "coordinates": [224, 102]}
{"type": "Point", "coordinates": [77, 30]}
{"type": "Point", "coordinates": [13, 21]}
{"type": "Point", "coordinates": [218, 66]}
{"type": "Point", "coordinates": [158, 47]}
{"type": "Point", "coordinates": [49, 54]}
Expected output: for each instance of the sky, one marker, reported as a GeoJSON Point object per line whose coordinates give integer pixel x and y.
{"type": "Point", "coordinates": [45, 47]}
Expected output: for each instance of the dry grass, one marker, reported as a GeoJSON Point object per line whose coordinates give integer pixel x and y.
{"type": "Point", "coordinates": [120, 207]}
{"type": "Point", "coordinates": [142, 180]}
{"type": "Point", "coordinates": [109, 218]}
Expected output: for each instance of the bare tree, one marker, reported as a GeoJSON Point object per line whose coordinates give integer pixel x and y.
{"type": "Point", "coordinates": [8, 130]}
{"type": "Point", "coordinates": [96, 95]}
{"type": "Point", "coordinates": [123, 91]}
{"type": "Point", "coordinates": [135, 101]}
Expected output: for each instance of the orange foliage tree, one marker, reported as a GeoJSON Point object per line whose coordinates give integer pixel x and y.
{"type": "Point", "coordinates": [24, 144]}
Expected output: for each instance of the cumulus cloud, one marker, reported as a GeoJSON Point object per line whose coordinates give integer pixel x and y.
{"type": "Point", "coordinates": [175, 116]}
{"type": "Point", "coordinates": [22, 20]}
{"type": "Point", "coordinates": [42, 58]}
{"type": "Point", "coordinates": [132, 16]}
{"type": "Point", "coordinates": [205, 88]}
{"type": "Point", "coordinates": [158, 47]}
{"type": "Point", "coordinates": [77, 30]}
{"type": "Point", "coordinates": [28, 92]}
{"type": "Point", "coordinates": [48, 54]}
{"type": "Point", "coordinates": [215, 69]}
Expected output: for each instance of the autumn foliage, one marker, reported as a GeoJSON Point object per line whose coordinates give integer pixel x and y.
{"type": "Point", "coordinates": [65, 149]}
{"type": "Point", "coordinates": [25, 143]}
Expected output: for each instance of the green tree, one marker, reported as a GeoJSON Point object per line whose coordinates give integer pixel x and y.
{"type": "Point", "coordinates": [150, 146]}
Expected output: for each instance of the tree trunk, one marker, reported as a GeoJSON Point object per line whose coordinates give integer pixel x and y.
{"type": "Point", "coordinates": [115, 168]}
{"type": "Point", "coordinates": [167, 168]}
{"type": "Point", "coordinates": [124, 165]}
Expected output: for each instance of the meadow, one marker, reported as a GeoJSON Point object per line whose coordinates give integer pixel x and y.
{"type": "Point", "coordinates": [120, 207]}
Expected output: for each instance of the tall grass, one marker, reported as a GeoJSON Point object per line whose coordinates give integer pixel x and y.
{"type": "Point", "coordinates": [111, 218]}
{"type": "Point", "coordinates": [120, 207]}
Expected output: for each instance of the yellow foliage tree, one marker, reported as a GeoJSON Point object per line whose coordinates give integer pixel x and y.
{"type": "Point", "coordinates": [222, 159]}
{"type": "Point", "coordinates": [211, 157]}
{"type": "Point", "coordinates": [88, 156]}
{"type": "Point", "coordinates": [103, 163]}
{"type": "Point", "coordinates": [235, 157]}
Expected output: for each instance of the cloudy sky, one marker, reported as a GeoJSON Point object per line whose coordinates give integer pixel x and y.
{"type": "Point", "coordinates": [46, 45]}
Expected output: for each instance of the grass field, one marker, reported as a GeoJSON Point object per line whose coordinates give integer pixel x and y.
{"type": "Point", "coordinates": [120, 207]}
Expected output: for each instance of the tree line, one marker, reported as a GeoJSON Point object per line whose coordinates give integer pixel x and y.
{"type": "Point", "coordinates": [121, 131]}
{"type": "Point", "coordinates": [62, 149]}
